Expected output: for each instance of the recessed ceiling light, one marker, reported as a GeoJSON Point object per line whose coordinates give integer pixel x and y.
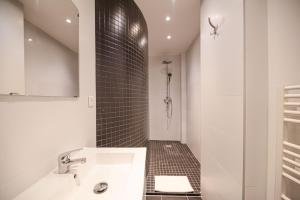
{"type": "Point", "coordinates": [68, 21]}
{"type": "Point", "coordinates": [143, 42]}
{"type": "Point", "coordinates": [169, 37]}
{"type": "Point", "coordinates": [135, 28]}
{"type": "Point", "coordinates": [29, 39]}
{"type": "Point", "coordinates": [168, 18]}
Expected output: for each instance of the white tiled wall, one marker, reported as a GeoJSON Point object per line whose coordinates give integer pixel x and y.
{"type": "Point", "coordinates": [284, 69]}
{"type": "Point", "coordinates": [159, 129]}
{"type": "Point", "coordinates": [193, 79]}
{"type": "Point", "coordinates": [256, 99]}
{"type": "Point", "coordinates": [222, 87]}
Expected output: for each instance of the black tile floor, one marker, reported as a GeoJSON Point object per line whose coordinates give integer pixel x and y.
{"type": "Point", "coordinates": [171, 159]}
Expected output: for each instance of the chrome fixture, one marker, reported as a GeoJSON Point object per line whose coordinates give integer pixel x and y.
{"type": "Point", "coordinates": [215, 22]}
{"type": "Point", "coordinates": [76, 179]}
{"type": "Point", "coordinates": [64, 161]}
{"type": "Point", "coordinates": [168, 99]}
{"type": "Point", "coordinates": [100, 188]}
{"type": "Point", "coordinates": [215, 28]}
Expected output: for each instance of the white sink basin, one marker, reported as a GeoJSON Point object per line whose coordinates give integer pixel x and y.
{"type": "Point", "coordinates": [122, 168]}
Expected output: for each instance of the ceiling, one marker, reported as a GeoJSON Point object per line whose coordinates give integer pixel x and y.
{"type": "Point", "coordinates": [184, 25]}
{"type": "Point", "coordinates": [50, 16]}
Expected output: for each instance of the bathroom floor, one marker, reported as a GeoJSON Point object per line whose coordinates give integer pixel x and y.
{"type": "Point", "coordinates": [172, 198]}
{"type": "Point", "coordinates": [171, 159]}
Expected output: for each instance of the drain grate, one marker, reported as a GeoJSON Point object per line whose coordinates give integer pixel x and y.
{"type": "Point", "coordinates": [100, 187]}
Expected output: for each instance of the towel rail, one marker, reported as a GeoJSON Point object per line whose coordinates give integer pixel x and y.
{"type": "Point", "coordinates": [291, 153]}
{"type": "Point", "coordinates": [290, 120]}
{"type": "Point", "coordinates": [291, 162]}
{"type": "Point", "coordinates": [285, 197]}
{"type": "Point", "coordinates": [292, 112]}
{"type": "Point", "coordinates": [291, 178]}
{"type": "Point", "coordinates": [291, 103]}
{"type": "Point", "coordinates": [291, 170]}
{"type": "Point", "coordinates": [292, 95]}
{"type": "Point", "coordinates": [290, 150]}
{"type": "Point", "coordinates": [291, 145]}
{"type": "Point", "coordinates": [292, 87]}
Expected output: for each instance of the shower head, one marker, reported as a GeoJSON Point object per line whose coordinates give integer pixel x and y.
{"type": "Point", "coordinates": [166, 62]}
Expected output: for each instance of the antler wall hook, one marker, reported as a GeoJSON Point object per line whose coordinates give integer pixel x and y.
{"type": "Point", "coordinates": [215, 28]}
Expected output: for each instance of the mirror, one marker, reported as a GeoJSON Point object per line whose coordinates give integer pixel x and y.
{"type": "Point", "coordinates": [40, 52]}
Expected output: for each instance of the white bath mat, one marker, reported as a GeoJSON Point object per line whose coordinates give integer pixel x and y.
{"type": "Point", "coordinates": [172, 184]}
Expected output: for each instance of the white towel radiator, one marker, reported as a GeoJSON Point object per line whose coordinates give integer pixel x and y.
{"type": "Point", "coordinates": [291, 142]}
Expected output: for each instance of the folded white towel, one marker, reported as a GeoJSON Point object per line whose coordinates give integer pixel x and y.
{"type": "Point", "coordinates": [172, 184]}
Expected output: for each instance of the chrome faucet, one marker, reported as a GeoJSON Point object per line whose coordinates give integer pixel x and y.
{"type": "Point", "coordinates": [64, 161]}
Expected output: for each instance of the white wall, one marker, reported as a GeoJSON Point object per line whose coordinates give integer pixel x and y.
{"type": "Point", "coordinates": [284, 69]}
{"type": "Point", "coordinates": [33, 131]}
{"type": "Point", "coordinates": [271, 61]}
{"type": "Point", "coordinates": [256, 99]}
{"type": "Point", "coordinates": [51, 68]}
{"type": "Point", "coordinates": [157, 93]}
{"type": "Point", "coordinates": [183, 99]}
{"type": "Point", "coordinates": [193, 97]}
{"type": "Point", "coordinates": [222, 83]}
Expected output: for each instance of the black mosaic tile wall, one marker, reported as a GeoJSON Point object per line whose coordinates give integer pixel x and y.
{"type": "Point", "coordinates": [121, 74]}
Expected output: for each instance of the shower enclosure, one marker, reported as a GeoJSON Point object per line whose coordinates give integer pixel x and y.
{"type": "Point", "coordinates": [166, 155]}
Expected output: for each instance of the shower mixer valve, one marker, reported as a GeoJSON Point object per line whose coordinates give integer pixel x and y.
{"type": "Point", "coordinates": [168, 102]}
